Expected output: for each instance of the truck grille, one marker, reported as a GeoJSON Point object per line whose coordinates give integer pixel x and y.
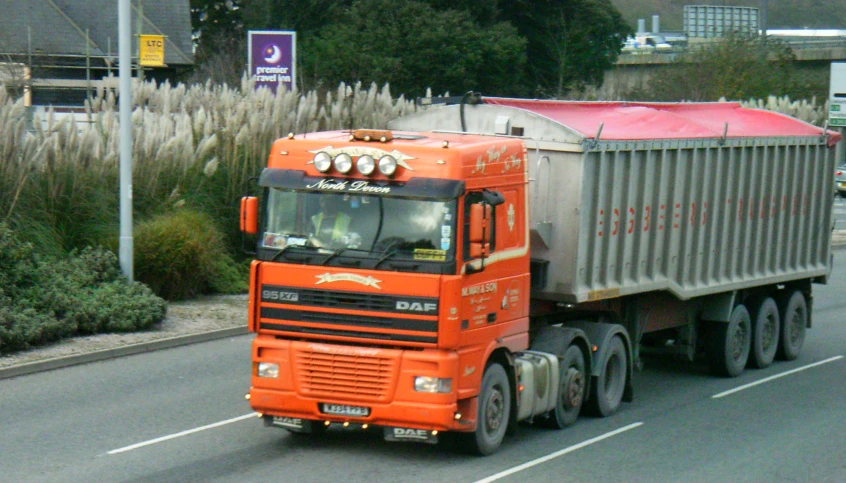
{"type": "Point", "coordinates": [278, 294]}
{"type": "Point", "coordinates": [358, 377]}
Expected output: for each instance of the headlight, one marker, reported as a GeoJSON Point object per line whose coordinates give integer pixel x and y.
{"type": "Point", "coordinates": [322, 161]}
{"type": "Point", "coordinates": [387, 165]}
{"type": "Point", "coordinates": [269, 370]}
{"type": "Point", "coordinates": [343, 163]}
{"type": "Point", "coordinates": [432, 384]}
{"type": "Point", "coordinates": [366, 164]}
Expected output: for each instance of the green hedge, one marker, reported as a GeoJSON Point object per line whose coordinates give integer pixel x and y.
{"type": "Point", "coordinates": [43, 300]}
{"type": "Point", "coordinates": [183, 254]}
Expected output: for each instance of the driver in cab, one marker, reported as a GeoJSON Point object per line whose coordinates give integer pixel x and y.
{"type": "Point", "coordinates": [331, 224]}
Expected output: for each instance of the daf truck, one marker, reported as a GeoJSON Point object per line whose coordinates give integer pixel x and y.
{"type": "Point", "coordinates": [513, 260]}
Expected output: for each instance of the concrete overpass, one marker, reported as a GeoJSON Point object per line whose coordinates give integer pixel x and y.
{"type": "Point", "coordinates": [804, 48]}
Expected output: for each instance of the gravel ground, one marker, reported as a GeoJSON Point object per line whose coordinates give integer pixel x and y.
{"type": "Point", "coordinates": [183, 318]}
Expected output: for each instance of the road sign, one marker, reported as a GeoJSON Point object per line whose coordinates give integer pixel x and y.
{"type": "Point", "coordinates": [272, 58]}
{"type": "Point", "coordinates": [837, 95]}
{"type": "Point", "coordinates": [151, 50]}
{"type": "Point", "coordinates": [837, 112]}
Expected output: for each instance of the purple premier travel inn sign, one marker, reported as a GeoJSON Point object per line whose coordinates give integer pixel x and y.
{"type": "Point", "coordinates": [272, 58]}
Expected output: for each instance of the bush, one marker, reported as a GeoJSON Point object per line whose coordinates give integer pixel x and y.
{"type": "Point", "coordinates": [17, 262]}
{"type": "Point", "coordinates": [42, 301]}
{"type": "Point", "coordinates": [183, 254]}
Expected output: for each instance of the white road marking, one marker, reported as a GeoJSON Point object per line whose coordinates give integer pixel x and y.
{"type": "Point", "coordinates": [768, 379]}
{"type": "Point", "coordinates": [183, 433]}
{"type": "Point", "coordinates": [562, 452]}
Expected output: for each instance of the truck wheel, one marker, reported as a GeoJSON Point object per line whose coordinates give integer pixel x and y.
{"type": "Point", "coordinates": [494, 411]}
{"type": "Point", "coordinates": [765, 332]}
{"type": "Point", "coordinates": [794, 321]}
{"type": "Point", "coordinates": [571, 389]}
{"type": "Point", "coordinates": [606, 393]}
{"type": "Point", "coordinates": [728, 344]}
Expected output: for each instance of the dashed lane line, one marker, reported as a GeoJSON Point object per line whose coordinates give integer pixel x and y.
{"type": "Point", "coordinates": [183, 433]}
{"type": "Point", "coordinates": [777, 376]}
{"type": "Point", "coordinates": [556, 454]}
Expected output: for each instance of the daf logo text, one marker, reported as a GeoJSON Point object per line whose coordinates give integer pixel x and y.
{"type": "Point", "coordinates": [426, 307]}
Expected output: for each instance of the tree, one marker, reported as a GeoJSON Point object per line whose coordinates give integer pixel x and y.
{"type": "Point", "coordinates": [571, 43]}
{"type": "Point", "coordinates": [220, 40]}
{"type": "Point", "coordinates": [213, 19]}
{"type": "Point", "coordinates": [735, 67]}
{"type": "Point", "coordinates": [411, 46]}
{"type": "Point", "coordinates": [302, 16]}
{"type": "Point", "coordinates": [484, 12]}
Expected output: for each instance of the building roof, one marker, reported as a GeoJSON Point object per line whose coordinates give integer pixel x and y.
{"type": "Point", "coordinates": [58, 27]}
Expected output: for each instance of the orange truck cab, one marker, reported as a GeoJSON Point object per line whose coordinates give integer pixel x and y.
{"type": "Point", "coordinates": [392, 270]}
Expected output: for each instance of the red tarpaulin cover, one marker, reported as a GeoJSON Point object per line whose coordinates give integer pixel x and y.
{"type": "Point", "coordinates": [683, 120]}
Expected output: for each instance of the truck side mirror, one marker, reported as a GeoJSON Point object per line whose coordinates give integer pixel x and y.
{"type": "Point", "coordinates": [249, 215]}
{"type": "Point", "coordinates": [480, 231]}
{"type": "Point", "coordinates": [480, 250]}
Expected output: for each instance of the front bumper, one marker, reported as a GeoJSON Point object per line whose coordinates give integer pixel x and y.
{"type": "Point", "coordinates": [398, 414]}
{"type": "Point", "coordinates": [381, 380]}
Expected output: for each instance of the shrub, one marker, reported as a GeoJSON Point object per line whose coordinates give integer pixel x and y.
{"type": "Point", "coordinates": [44, 300]}
{"type": "Point", "coordinates": [24, 328]}
{"type": "Point", "coordinates": [126, 308]}
{"type": "Point", "coordinates": [17, 262]}
{"type": "Point", "coordinates": [183, 254]}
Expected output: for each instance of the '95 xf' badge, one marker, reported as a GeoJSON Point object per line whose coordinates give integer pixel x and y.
{"type": "Point", "coordinates": [279, 296]}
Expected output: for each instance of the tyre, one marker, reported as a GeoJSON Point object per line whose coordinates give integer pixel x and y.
{"type": "Point", "coordinates": [765, 333]}
{"type": "Point", "coordinates": [571, 389]}
{"type": "Point", "coordinates": [728, 344]}
{"type": "Point", "coordinates": [606, 393]}
{"type": "Point", "coordinates": [794, 322]}
{"type": "Point", "coordinates": [494, 412]}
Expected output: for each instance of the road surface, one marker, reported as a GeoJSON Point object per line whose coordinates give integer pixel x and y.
{"type": "Point", "coordinates": [179, 415]}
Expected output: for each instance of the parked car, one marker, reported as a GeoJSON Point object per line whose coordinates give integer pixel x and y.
{"type": "Point", "coordinates": [658, 43]}
{"type": "Point", "coordinates": [632, 45]}
{"type": "Point", "coordinates": [840, 181]}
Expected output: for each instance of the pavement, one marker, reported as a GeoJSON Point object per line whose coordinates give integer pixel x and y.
{"type": "Point", "coordinates": [838, 242]}
{"type": "Point", "coordinates": [126, 350]}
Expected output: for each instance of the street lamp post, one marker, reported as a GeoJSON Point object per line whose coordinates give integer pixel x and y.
{"type": "Point", "coordinates": [125, 75]}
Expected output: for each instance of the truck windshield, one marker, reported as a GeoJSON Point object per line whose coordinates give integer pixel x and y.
{"type": "Point", "coordinates": [375, 227]}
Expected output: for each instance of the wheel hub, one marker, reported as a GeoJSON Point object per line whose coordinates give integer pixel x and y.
{"type": "Point", "coordinates": [494, 410]}
{"type": "Point", "coordinates": [738, 342]}
{"type": "Point", "coordinates": [574, 388]}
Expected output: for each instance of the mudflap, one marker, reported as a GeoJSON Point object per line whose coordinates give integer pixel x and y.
{"type": "Point", "coordinates": [411, 435]}
{"type": "Point", "coordinates": [297, 425]}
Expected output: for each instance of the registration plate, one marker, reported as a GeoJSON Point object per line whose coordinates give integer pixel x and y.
{"type": "Point", "coordinates": [344, 410]}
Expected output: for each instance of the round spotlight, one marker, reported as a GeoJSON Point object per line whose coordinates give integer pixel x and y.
{"type": "Point", "coordinates": [322, 161]}
{"type": "Point", "coordinates": [343, 163]}
{"type": "Point", "coordinates": [387, 165]}
{"type": "Point", "coordinates": [365, 164]}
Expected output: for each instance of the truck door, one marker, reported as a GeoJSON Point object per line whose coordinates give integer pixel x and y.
{"type": "Point", "coordinates": [493, 291]}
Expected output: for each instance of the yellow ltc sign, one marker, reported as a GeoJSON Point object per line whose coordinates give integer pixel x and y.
{"type": "Point", "coordinates": [151, 50]}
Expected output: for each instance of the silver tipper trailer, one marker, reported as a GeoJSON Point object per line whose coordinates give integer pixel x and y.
{"type": "Point", "coordinates": [670, 214]}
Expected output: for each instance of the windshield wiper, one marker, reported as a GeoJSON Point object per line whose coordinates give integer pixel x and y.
{"type": "Point", "coordinates": [385, 257]}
